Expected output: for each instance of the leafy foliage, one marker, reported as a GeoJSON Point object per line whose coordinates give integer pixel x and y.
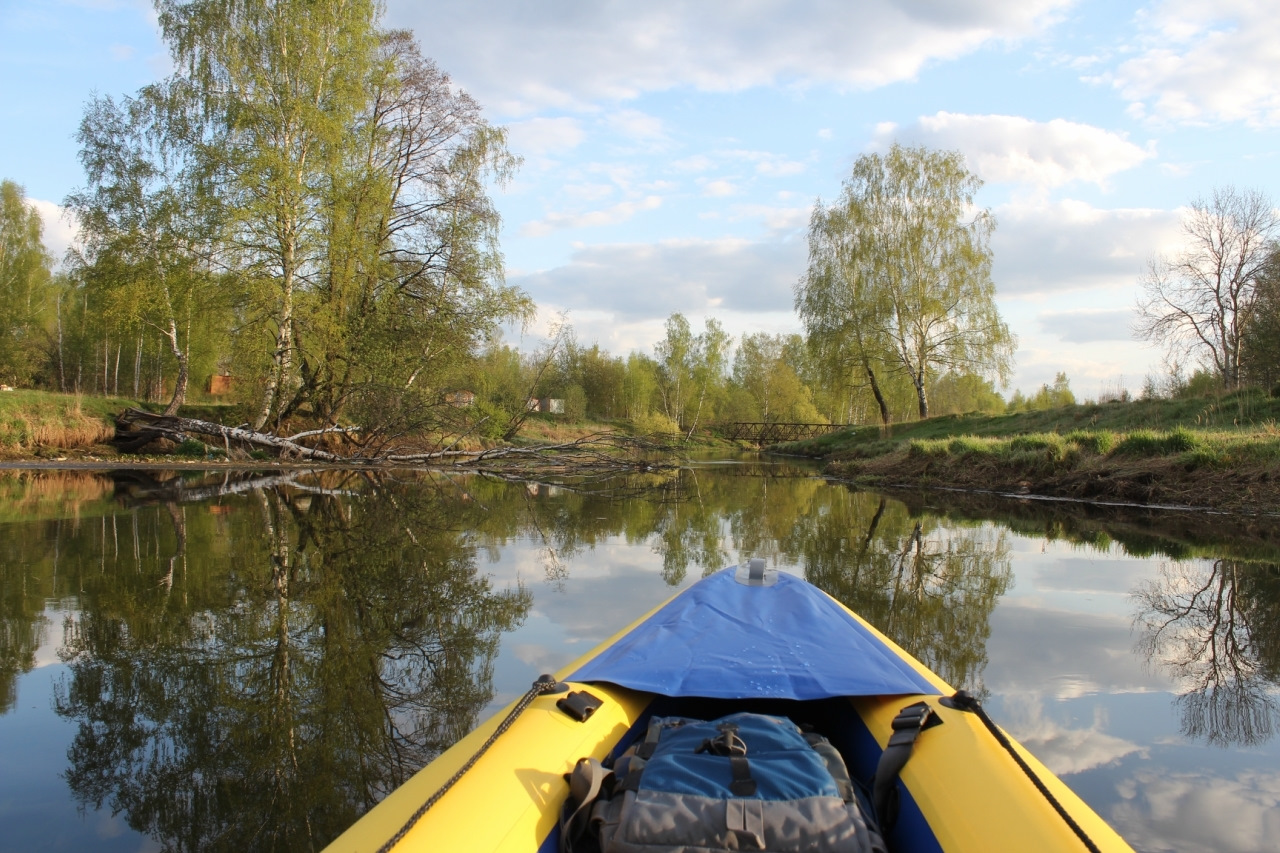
{"type": "Point", "coordinates": [900, 274]}
{"type": "Point", "coordinates": [25, 285]}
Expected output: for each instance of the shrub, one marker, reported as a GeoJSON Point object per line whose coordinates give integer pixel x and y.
{"type": "Point", "coordinates": [1100, 443]}
{"type": "Point", "coordinates": [191, 447]}
{"type": "Point", "coordinates": [967, 444]}
{"type": "Point", "coordinates": [927, 448]}
{"type": "Point", "coordinates": [655, 423]}
{"type": "Point", "coordinates": [1050, 441]}
{"type": "Point", "coordinates": [1145, 442]}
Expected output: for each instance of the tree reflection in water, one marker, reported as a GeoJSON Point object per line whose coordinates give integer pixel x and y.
{"type": "Point", "coordinates": [266, 699]}
{"type": "Point", "coordinates": [932, 593]}
{"type": "Point", "coordinates": [1214, 626]}
{"type": "Point", "coordinates": [256, 659]}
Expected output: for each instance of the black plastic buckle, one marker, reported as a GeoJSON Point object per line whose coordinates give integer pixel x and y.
{"type": "Point", "coordinates": [579, 704]}
{"type": "Point", "coordinates": [910, 721]}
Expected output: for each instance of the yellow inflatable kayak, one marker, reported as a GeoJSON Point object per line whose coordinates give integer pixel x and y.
{"type": "Point", "coordinates": [748, 639]}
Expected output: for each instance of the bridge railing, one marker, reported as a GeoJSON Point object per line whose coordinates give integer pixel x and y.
{"type": "Point", "coordinates": [772, 433]}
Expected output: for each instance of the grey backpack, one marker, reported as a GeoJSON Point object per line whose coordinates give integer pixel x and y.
{"type": "Point", "coordinates": [743, 782]}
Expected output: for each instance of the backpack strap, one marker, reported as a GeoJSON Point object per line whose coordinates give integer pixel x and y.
{"type": "Point", "coordinates": [585, 784]}
{"type": "Point", "coordinates": [835, 764]}
{"type": "Point", "coordinates": [907, 726]}
{"type": "Point", "coordinates": [650, 743]}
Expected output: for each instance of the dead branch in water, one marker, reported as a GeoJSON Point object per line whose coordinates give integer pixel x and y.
{"type": "Point", "coordinates": [599, 452]}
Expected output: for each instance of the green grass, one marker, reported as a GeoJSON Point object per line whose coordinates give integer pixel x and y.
{"type": "Point", "coordinates": [1235, 436]}
{"type": "Point", "coordinates": [32, 420]}
{"type": "Point", "coordinates": [1143, 427]}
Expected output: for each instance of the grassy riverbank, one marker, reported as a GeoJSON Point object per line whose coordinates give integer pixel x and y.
{"type": "Point", "coordinates": [37, 423]}
{"type": "Point", "coordinates": [1222, 453]}
{"type": "Point", "coordinates": [43, 426]}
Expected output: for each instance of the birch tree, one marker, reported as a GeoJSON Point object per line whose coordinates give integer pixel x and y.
{"type": "Point", "coordinates": [140, 222]}
{"type": "Point", "coordinates": [842, 310]}
{"type": "Point", "coordinates": [900, 265]}
{"type": "Point", "coordinates": [411, 279]}
{"type": "Point", "coordinates": [25, 283]}
{"type": "Point", "coordinates": [691, 368]}
{"type": "Point", "coordinates": [281, 83]}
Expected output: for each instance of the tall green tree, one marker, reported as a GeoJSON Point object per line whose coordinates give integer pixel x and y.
{"type": "Point", "coordinates": [640, 386]}
{"type": "Point", "coordinates": [841, 307]}
{"type": "Point", "coordinates": [900, 267]}
{"type": "Point", "coordinates": [763, 369]}
{"type": "Point", "coordinates": [25, 284]}
{"type": "Point", "coordinates": [692, 369]}
{"type": "Point", "coordinates": [145, 233]}
{"type": "Point", "coordinates": [281, 84]}
{"type": "Point", "coordinates": [1260, 338]}
{"type": "Point", "coordinates": [412, 277]}
{"type": "Point", "coordinates": [958, 393]}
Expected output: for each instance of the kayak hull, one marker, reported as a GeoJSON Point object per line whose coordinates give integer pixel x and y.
{"type": "Point", "coordinates": [961, 790]}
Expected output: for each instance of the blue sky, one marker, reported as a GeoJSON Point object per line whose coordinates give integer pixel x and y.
{"type": "Point", "coordinates": [673, 150]}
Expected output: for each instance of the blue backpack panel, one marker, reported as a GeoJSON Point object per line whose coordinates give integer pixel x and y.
{"type": "Point", "coordinates": [743, 782]}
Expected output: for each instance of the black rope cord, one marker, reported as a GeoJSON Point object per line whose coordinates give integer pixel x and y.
{"type": "Point", "coordinates": [964, 701]}
{"type": "Point", "coordinates": [544, 684]}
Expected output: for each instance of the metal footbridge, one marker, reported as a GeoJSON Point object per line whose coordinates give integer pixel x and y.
{"type": "Point", "coordinates": [773, 433]}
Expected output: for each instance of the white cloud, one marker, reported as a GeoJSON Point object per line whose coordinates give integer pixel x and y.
{"type": "Point", "coordinates": [1205, 61]}
{"type": "Point", "coordinates": [1199, 812]}
{"type": "Point", "coordinates": [766, 163]}
{"type": "Point", "coordinates": [780, 168]}
{"type": "Point", "coordinates": [59, 228]}
{"type": "Point", "coordinates": [1086, 325]}
{"type": "Point", "coordinates": [718, 189]}
{"type": "Point", "coordinates": [588, 191]}
{"type": "Point", "coordinates": [542, 136]}
{"type": "Point", "coordinates": [518, 56]}
{"type": "Point", "coordinates": [1064, 750]}
{"type": "Point", "coordinates": [1070, 245]}
{"type": "Point", "coordinates": [620, 212]}
{"type": "Point", "coordinates": [776, 219]}
{"type": "Point", "coordinates": [635, 282]}
{"type": "Point", "coordinates": [696, 163]}
{"type": "Point", "coordinates": [1074, 653]}
{"type": "Point", "coordinates": [636, 125]}
{"type": "Point", "coordinates": [1012, 149]}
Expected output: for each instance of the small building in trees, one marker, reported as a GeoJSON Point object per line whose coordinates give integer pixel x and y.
{"type": "Point", "coordinates": [546, 405]}
{"type": "Point", "coordinates": [220, 384]}
{"type": "Point", "coordinates": [460, 399]}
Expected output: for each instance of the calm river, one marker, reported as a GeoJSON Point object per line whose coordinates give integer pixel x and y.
{"type": "Point", "coordinates": [249, 660]}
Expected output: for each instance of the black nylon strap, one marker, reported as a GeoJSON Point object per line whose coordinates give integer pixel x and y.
{"type": "Point", "coordinates": [742, 785]}
{"type": "Point", "coordinates": [645, 749]}
{"type": "Point", "coordinates": [906, 728]}
{"type": "Point", "coordinates": [965, 702]}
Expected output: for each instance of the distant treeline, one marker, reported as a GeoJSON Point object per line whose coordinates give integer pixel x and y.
{"type": "Point", "coordinates": [298, 218]}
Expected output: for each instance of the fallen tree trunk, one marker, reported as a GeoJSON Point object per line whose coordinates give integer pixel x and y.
{"type": "Point", "coordinates": [597, 452]}
{"type": "Point", "coordinates": [145, 425]}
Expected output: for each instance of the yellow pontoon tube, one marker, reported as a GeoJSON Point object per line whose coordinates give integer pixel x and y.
{"type": "Point", "coordinates": [744, 639]}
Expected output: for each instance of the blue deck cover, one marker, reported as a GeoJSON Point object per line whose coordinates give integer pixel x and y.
{"type": "Point", "coordinates": [722, 639]}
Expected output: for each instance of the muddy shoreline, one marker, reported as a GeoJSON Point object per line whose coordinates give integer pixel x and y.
{"type": "Point", "coordinates": [1157, 484]}
{"type": "Point", "coordinates": [1160, 483]}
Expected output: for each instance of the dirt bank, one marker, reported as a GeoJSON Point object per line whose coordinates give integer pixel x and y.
{"type": "Point", "coordinates": [1160, 481]}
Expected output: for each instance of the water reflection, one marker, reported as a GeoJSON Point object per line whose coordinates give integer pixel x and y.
{"type": "Point", "coordinates": [265, 700]}
{"type": "Point", "coordinates": [254, 658]}
{"type": "Point", "coordinates": [932, 592]}
{"type": "Point", "coordinates": [1214, 626]}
